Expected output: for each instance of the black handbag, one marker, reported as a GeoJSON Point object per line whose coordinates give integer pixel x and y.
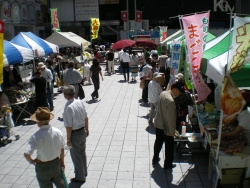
{"type": "Point", "coordinates": [81, 93]}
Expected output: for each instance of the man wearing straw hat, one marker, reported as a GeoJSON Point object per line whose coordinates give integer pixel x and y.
{"type": "Point", "coordinates": [49, 143]}
{"type": "Point", "coordinates": [76, 123]}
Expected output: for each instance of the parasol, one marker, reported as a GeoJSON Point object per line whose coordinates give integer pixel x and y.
{"type": "Point", "coordinates": [123, 44]}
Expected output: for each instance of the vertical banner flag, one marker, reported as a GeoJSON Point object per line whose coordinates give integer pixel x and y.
{"type": "Point", "coordinates": [175, 57]}
{"type": "Point", "coordinates": [1, 50]}
{"type": "Point", "coordinates": [138, 16]}
{"type": "Point", "coordinates": [195, 30]}
{"type": "Point", "coordinates": [54, 20]}
{"type": "Point", "coordinates": [124, 16]}
{"type": "Point", "coordinates": [232, 101]}
{"type": "Point", "coordinates": [95, 25]}
{"type": "Point", "coordinates": [163, 33]}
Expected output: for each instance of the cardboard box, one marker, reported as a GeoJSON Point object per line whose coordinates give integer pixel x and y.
{"type": "Point", "coordinates": [233, 171]}
{"type": "Point", "coordinates": [230, 179]}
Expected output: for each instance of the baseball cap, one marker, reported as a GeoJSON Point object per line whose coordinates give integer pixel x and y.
{"type": "Point", "coordinates": [179, 76]}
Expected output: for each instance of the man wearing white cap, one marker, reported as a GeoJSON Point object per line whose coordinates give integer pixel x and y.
{"type": "Point", "coordinates": [154, 90]}
{"type": "Point", "coordinates": [47, 74]}
{"type": "Point", "coordinates": [177, 77]}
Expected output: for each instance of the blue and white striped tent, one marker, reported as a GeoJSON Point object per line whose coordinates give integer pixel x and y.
{"type": "Point", "coordinates": [39, 46]}
{"type": "Point", "coordinates": [13, 54]}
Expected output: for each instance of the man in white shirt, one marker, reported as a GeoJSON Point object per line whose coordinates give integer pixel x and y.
{"type": "Point", "coordinates": [154, 90]}
{"type": "Point", "coordinates": [72, 77]}
{"type": "Point", "coordinates": [47, 74]}
{"type": "Point", "coordinates": [76, 124]}
{"type": "Point", "coordinates": [125, 58]}
{"type": "Point", "coordinates": [49, 143]}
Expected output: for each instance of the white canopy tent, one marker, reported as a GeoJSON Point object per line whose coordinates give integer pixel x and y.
{"type": "Point", "coordinates": [66, 39]}
{"type": "Point", "coordinates": [172, 37]}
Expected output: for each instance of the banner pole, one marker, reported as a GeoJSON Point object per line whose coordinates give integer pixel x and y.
{"type": "Point", "coordinates": [189, 14]}
{"type": "Point", "coordinates": [127, 19]}
{"type": "Point", "coordinates": [90, 32]}
{"type": "Point", "coordinates": [135, 22]}
{"type": "Point", "coordinates": [225, 71]}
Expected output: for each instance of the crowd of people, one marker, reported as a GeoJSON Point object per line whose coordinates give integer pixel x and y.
{"type": "Point", "coordinates": [164, 110]}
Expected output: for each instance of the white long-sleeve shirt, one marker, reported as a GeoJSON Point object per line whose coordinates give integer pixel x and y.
{"type": "Point", "coordinates": [154, 90]}
{"type": "Point", "coordinates": [47, 74]}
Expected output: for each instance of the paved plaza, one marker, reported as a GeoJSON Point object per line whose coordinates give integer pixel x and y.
{"type": "Point", "coordinates": [119, 147]}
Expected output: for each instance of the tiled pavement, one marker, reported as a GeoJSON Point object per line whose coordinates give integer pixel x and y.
{"type": "Point", "coordinates": [119, 147]}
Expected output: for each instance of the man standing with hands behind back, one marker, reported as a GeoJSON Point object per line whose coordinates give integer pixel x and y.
{"type": "Point", "coordinates": [165, 123]}
{"type": "Point", "coordinates": [76, 123]}
{"type": "Point", "coordinates": [49, 143]}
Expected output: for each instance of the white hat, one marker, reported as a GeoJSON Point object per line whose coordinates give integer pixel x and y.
{"type": "Point", "coordinates": [41, 65]}
{"type": "Point", "coordinates": [156, 75]}
{"type": "Point", "coordinates": [179, 76]}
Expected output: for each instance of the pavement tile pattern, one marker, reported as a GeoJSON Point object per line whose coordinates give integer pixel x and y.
{"type": "Point", "coordinates": [119, 147]}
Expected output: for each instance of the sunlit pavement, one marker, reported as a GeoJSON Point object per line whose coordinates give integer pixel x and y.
{"type": "Point", "coordinates": [119, 147]}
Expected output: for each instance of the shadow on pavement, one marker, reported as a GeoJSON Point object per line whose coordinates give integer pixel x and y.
{"type": "Point", "coordinates": [93, 101]}
{"type": "Point", "coordinates": [122, 81]}
{"type": "Point", "coordinates": [150, 129]}
{"type": "Point", "coordinates": [157, 176]}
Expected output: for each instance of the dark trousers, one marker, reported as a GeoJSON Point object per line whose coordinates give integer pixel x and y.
{"type": "Point", "coordinates": [169, 147]}
{"type": "Point", "coordinates": [145, 91]}
{"type": "Point", "coordinates": [125, 67]}
{"type": "Point", "coordinates": [96, 83]}
{"type": "Point", "coordinates": [49, 173]}
{"type": "Point", "coordinates": [78, 154]}
{"type": "Point", "coordinates": [49, 97]}
{"type": "Point", "coordinates": [41, 100]}
{"type": "Point", "coordinates": [166, 74]}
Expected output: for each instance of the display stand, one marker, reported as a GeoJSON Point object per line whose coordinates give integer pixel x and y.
{"type": "Point", "coordinates": [21, 106]}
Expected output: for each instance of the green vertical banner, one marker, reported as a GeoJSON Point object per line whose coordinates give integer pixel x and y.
{"type": "Point", "coordinates": [54, 20]}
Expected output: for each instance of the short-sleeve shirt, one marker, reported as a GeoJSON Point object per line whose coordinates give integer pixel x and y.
{"type": "Point", "coordinates": [72, 76]}
{"type": "Point", "coordinates": [48, 141]}
{"type": "Point", "coordinates": [244, 121]}
{"type": "Point", "coordinates": [74, 114]}
{"type": "Point", "coordinates": [95, 71]}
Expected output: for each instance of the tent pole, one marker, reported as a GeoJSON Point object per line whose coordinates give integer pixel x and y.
{"type": "Point", "coordinates": [225, 71]}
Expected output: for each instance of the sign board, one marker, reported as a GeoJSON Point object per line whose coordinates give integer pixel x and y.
{"type": "Point", "coordinates": [104, 2]}
{"type": "Point", "coordinates": [153, 35]}
{"type": "Point", "coordinates": [6, 11]}
{"type": "Point", "coordinates": [86, 9]}
{"type": "Point", "coordinates": [24, 13]}
{"type": "Point", "coordinates": [15, 14]}
{"type": "Point", "coordinates": [223, 6]}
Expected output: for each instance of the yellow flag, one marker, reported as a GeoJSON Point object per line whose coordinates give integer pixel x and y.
{"type": "Point", "coordinates": [1, 50]}
{"type": "Point", "coordinates": [95, 25]}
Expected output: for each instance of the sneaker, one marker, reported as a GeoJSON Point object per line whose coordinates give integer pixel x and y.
{"type": "Point", "coordinates": [92, 97]}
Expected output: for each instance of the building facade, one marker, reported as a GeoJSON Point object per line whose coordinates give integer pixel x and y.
{"type": "Point", "coordinates": [74, 15]}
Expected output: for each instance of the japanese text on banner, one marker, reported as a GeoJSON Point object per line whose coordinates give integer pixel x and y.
{"type": "Point", "coordinates": [95, 25]}
{"type": "Point", "coordinates": [195, 29]}
{"type": "Point", "coordinates": [54, 20]}
{"type": "Point", "coordinates": [175, 57]}
{"type": "Point", "coordinates": [1, 50]}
